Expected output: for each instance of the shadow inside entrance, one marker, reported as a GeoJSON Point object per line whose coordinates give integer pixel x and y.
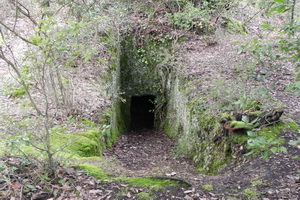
{"type": "Point", "coordinates": [142, 112]}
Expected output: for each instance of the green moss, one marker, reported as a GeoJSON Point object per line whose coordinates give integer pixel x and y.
{"type": "Point", "coordinates": [168, 130]}
{"type": "Point", "coordinates": [70, 145]}
{"type": "Point", "coordinates": [257, 182]}
{"type": "Point", "coordinates": [208, 187]}
{"type": "Point", "coordinates": [19, 92]}
{"type": "Point", "coordinates": [273, 131]}
{"type": "Point", "coordinates": [215, 164]}
{"type": "Point", "coordinates": [88, 122]}
{"type": "Point", "coordinates": [238, 138]}
{"type": "Point", "coordinates": [293, 126]}
{"type": "Point", "coordinates": [251, 193]}
{"type": "Point", "coordinates": [295, 157]}
{"type": "Point", "coordinates": [87, 144]}
{"type": "Point", "coordinates": [94, 171]}
{"type": "Point", "coordinates": [143, 196]}
{"type": "Point", "coordinates": [82, 144]}
{"type": "Point", "coordinates": [151, 183]}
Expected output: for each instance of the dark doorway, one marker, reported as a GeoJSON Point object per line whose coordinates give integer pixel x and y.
{"type": "Point", "coordinates": [142, 112]}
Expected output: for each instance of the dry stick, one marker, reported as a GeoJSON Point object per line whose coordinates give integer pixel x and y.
{"type": "Point", "coordinates": [46, 121]}
{"type": "Point", "coordinates": [293, 12]}
{"type": "Point", "coordinates": [15, 23]}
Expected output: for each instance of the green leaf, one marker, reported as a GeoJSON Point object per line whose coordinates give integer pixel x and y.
{"type": "Point", "coordinates": [249, 153]}
{"type": "Point", "coordinates": [279, 1]}
{"type": "Point", "coordinates": [35, 39]}
{"type": "Point", "coordinates": [274, 149]}
{"type": "Point", "coordinates": [282, 149]}
{"type": "Point", "coordinates": [279, 9]}
{"type": "Point", "coordinates": [245, 118]}
{"type": "Point", "coordinates": [251, 134]}
{"type": "Point", "coordinates": [266, 155]}
{"type": "Point", "coordinates": [293, 86]}
{"type": "Point", "coordinates": [267, 26]}
{"type": "Point", "coordinates": [293, 143]}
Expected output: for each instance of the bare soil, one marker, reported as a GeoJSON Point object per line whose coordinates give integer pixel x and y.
{"type": "Point", "coordinates": [151, 152]}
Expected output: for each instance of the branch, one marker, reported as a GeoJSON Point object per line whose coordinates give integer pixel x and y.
{"type": "Point", "coordinates": [16, 34]}
{"type": "Point", "coordinates": [23, 10]}
{"type": "Point", "coordinates": [22, 82]}
{"type": "Point", "coordinates": [39, 148]}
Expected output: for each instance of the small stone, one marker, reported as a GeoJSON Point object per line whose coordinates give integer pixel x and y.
{"type": "Point", "coordinates": [189, 191]}
{"type": "Point", "coordinates": [78, 188]}
{"type": "Point", "coordinates": [128, 195]}
{"type": "Point", "coordinates": [270, 192]}
{"type": "Point", "coordinates": [171, 174]}
{"type": "Point", "coordinates": [95, 191]}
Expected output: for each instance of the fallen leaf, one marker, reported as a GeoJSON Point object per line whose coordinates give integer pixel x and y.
{"type": "Point", "coordinates": [16, 186]}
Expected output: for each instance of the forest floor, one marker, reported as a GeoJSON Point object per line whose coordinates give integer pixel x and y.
{"type": "Point", "coordinates": [151, 153]}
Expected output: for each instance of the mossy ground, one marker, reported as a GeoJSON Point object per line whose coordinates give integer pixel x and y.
{"type": "Point", "coordinates": [208, 187]}
{"type": "Point", "coordinates": [16, 92]}
{"type": "Point", "coordinates": [144, 196]}
{"type": "Point", "coordinates": [150, 183]}
{"type": "Point", "coordinates": [94, 171]}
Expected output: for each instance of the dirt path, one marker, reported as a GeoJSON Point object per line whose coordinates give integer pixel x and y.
{"type": "Point", "coordinates": [151, 153]}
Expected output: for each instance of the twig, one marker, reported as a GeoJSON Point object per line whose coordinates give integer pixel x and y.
{"type": "Point", "coordinates": [270, 123]}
